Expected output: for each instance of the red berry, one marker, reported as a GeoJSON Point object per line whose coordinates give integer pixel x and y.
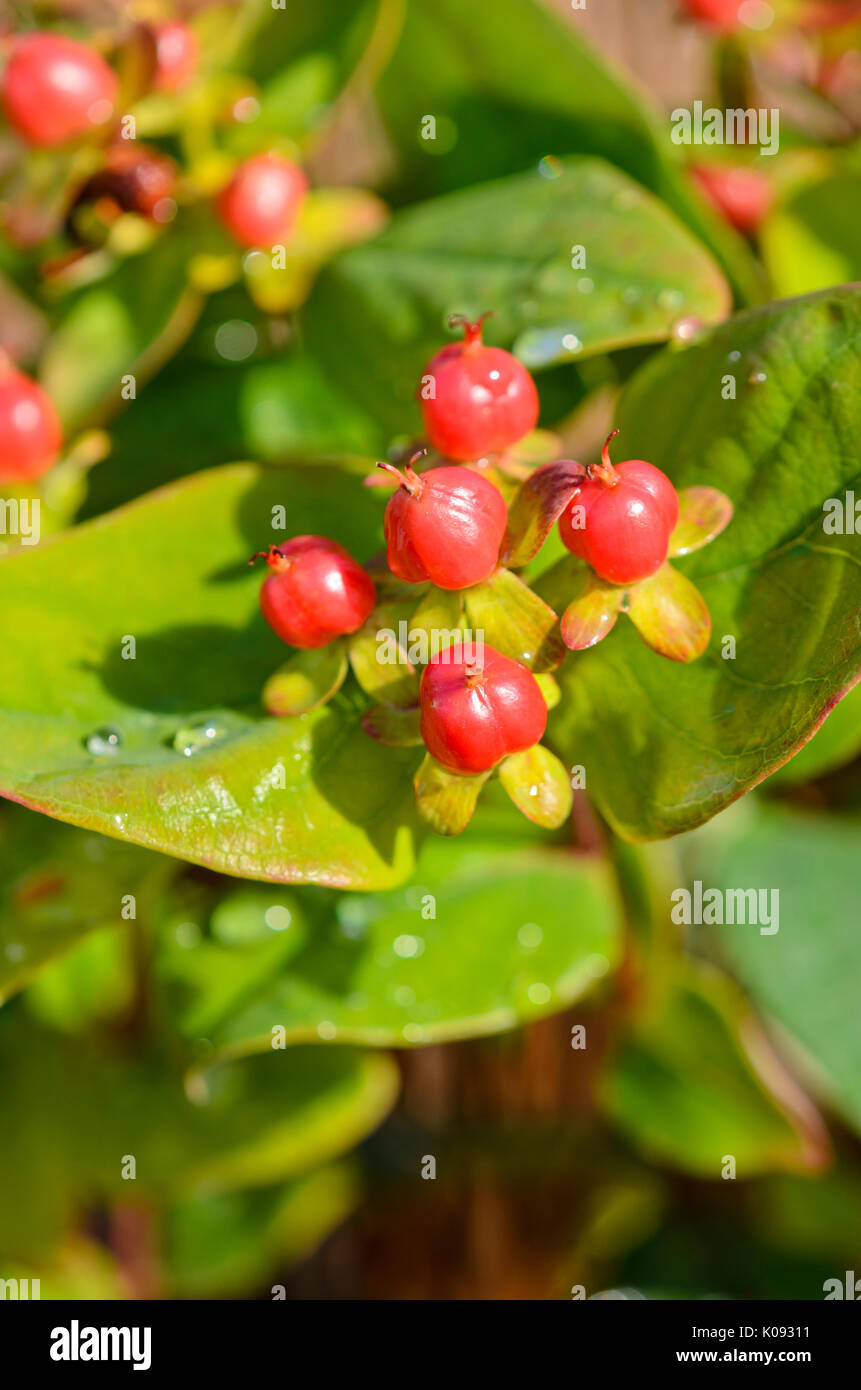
{"type": "Point", "coordinates": [177, 50]}
{"type": "Point", "coordinates": [718, 14]}
{"type": "Point", "coordinates": [484, 399]}
{"type": "Point", "coordinates": [260, 205]}
{"type": "Point", "coordinates": [478, 706]}
{"type": "Point", "coordinates": [315, 591]}
{"type": "Point", "coordinates": [30, 435]}
{"type": "Point", "coordinates": [445, 526]}
{"type": "Point", "coordinates": [628, 514]}
{"type": "Point", "coordinates": [743, 196]}
{"type": "Point", "coordinates": [135, 179]}
{"type": "Point", "coordinates": [55, 89]}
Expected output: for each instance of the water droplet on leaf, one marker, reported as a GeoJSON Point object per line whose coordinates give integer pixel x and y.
{"type": "Point", "coordinates": [106, 740]}
{"type": "Point", "coordinates": [188, 741]}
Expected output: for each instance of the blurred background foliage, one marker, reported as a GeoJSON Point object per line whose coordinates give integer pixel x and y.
{"type": "Point", "coordinates": [283, 1065]}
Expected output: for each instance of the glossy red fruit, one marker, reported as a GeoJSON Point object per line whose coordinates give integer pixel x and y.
{"type": "Point", "coordinates": [55, 89]}
{"type": "Point", "coordinates": [478, 706]}
{"type": "Point", "coordinates": [177, 51]}
{"type": "Point", "coordinates": [628, 514]}
{"type": "Point", "coordinates": [483, 399]}
{"type": "Point", "coordinates": [135, 179]}
{"type": "Point", "coordinates": [30, 434]}
{"type": "Point", "coordinates": [260, 205]}
{"type": "Point", "coordinates": [743, 196]}
{"type": "Point", "coordinates": [314, 592]}
{"type": "Point", "coordinates": [718, 14]}
{"type": "Point", "coordinates": [445, 526]}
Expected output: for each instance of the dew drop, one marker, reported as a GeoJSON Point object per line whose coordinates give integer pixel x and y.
{"type": "Point", "coordinates": [326, 1030]}
{"type": "Point", "coordinates": [733, 356]}
{"type": "Point", "coordinates": [277, 918]}
{"type": "Point", "coordinates": [188, 741]}
{"type": "Point", "coordinates": [530, 936]}
{"type": "Point", "coordinates": [685, 330]}
{"type": "Point", "coordinates": [106, 740]}
{"type": "Point", "coordinates": [757, 378]}
{"type": "Point", "coordinates": [572, 343]}
{"type": "Point", "coordinates": [539, 994]}
{"type": "Point", "coordinates": [671, 299]}
{"type": "Point", "coordinates": [407, 946]}
{"type": "Point", "coordinates": [549, 167]}
{"type": "Point", "coordinates": [187, 935]}
{"type": "Point", "coordinates": [585, 285]}
{"type": "Point", "coordinates": [596, 965]}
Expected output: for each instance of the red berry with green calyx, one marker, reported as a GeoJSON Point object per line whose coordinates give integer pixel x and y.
{"type": "Point", "coordinates": [55, 89]}
{"type": "Point", "coordinates": [476, 400]}
{"type": "Point", "coordinates": [314, 591]}
{"type": "Point", "coordinates": [477, 707]}
{"type": "Point", "coordinates": [261, 203]}
{"type": "Point", "coordinates": [30, 435]}
{"type": "Point", "coordinates": [444, 526]}
{"type": "Point", "coordinates": [621, 519]}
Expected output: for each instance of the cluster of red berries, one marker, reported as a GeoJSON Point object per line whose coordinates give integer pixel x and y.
{"type": "Point", "coordinates": [445, 527]}
{"type": "Point", "coordinates": [56, 90]}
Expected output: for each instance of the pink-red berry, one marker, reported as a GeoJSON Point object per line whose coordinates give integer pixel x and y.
{"type": "Point", "coordinates": [56, 89]}
{"type": "Point", "coordinates": [30, 434]}
{"type": "Point", "coordinates": [261, 203]}
{"type": "Point", "coordinates": [621, 519]}
{"type": "Point", "coordinates": [177, 50]}
{"type": "Point", "coordinates": [743, 196]}
{"type": "Point", "coordinates": [476, 400]}
{"type": "Point", "coordinates": [717, 14]}
{"type": "Point", "coordinates": [314, 592]}
{"type": "Point", "coordinates": [477, 707]}
{"type": "Point", "coordinates": [444, 526]}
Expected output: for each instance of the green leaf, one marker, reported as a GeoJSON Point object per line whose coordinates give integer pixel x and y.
{"type": "Point", "coordinates": [439, 616]}
{"type": "Point", "coordinates": [507, 246]}
{"type": "Point", "coordinates": [227, 1244]}
{"type": "Point", "coordinates": [308, 679]}
{"type": "Point", "coordinates": [591, 605]}
{"type": "Point", "coordinates": [384, 671]}
{"type": "Point", "coordinates": [537, 507]}
{"type": "Point", "coordinates": [126, 324]}
{"type": "Point", "coordinates": [446, 800]}
{"type": "Point", "coordinates": [56, 885]}
{"type": "Point", "coordinates": [703, 514]}
{"type": "Point", "coordinates": [666, 747]}
{"type": "Point", "coordinates": [689, 1085]}
{"type": "Point", "coordinates": [811, 241]}
{"type": "Point", "coordinates": [804, 975]}
{"type": "Point", "coordinates": [396, 727]}
{"type": "Point", "coordinates": [538, 785]}
{"type": "Point", "coordinates": [514, 620]}
{"type": "Point", "coordinates": [300, 799]}
{"type": "Point", "coordinates": [488, 934]}
{"type": "Point", "coordinates": [247, 1123]}
{"type": "Point", "coordinates": [836, 742]}
{"type": "Point", "coordinates": [670, 615]}
{"type": "Point", "coordinates": [513, 84]}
